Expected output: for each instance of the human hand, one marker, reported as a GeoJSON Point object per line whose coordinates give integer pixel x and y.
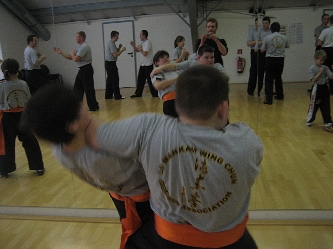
{"type": "Point", "coordinates": [155, 71]}
{"type": "Point", "coordinates": [120, 45]}
{"type": "Point", "coordinates": [132, 43]}
{"type": "Point", "coordinates": [123, 49]}
{"type": "Point", "coordinates": [139, 47]}
{"type": "Point", "coordinates": [57, 50]}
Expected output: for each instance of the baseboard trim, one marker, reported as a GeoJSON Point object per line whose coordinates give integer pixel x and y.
{"type": "Point", "coordinates": [258, 216]}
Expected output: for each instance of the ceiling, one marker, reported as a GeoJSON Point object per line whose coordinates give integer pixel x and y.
{"type": "Point", "coordinates": [63, 11]}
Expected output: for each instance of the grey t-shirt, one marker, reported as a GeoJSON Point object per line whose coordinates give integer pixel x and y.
{"type": "Point", "coordinates": [103, 170]}
{"type": "Point", "coordinates": [110, 49]}
{"type": "Point", "coordinates": [166, 76]}
{"type": "Point", "coordinates": [314, 70]}
{"type": "Point", "coordinates": [275, 44]}
{"type": "Point", "coordinates": [197, 175]}
{"type": "Point", "coordinates": [13, 94]}
{"type": "Point", "coordinates": [84, 52]}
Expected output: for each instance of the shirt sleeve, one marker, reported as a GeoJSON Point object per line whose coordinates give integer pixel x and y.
{"type": "Point", "coordinates": [312, 72]}
{"type": "Point", "coordinates": [81, 51]}
{"type": "Point", "coordinates": [146, 46]}
{"type": "Point", "coordinates": [175, 54]}
{"type": "Point", "coordinates": [183, 65]}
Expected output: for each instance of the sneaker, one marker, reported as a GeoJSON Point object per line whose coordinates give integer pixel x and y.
{"type": "Point", "coordinates": [4, 176]}
{"type": "Point", "coordinates": [268, 102]}
{"type": "Point", "coordinates": [328, 128]}
{"type": "Point", "coordinates": [122, 97]}
{"type": "Point", "coordinates": [40, 172]}
{"type": "Point", "coordinates": [135, 96]}
{"type": "Point", "coordinates": [309, 124]}
{"type": "Point", "coordinates": [94, 110]}
{"type": "Point", "coordinates": [277, 97]}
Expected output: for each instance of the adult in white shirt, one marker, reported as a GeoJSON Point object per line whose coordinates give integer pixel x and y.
{"type": "Point", "coordinates": [32, 61]}
{"type": "Point", "coordinates": [146, 66]}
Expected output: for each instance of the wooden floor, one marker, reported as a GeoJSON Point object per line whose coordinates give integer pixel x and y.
{"type": "Point", "coordinates": [101, 234]}
{"type": "Point", "coordinates": [296, 174]}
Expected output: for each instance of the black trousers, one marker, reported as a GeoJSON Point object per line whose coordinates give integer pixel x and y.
{"type": "Point", "coordinates": [274, 68]}
{"type": "Point", "coordinates": [144, 74]}
{"type": "Point", "coordinates": [257, 71]}
{"type": "Point", "coordinates": [29, 142]}
{"type": "Point", "coordinates": [329, 62]}
{"type": "Point", "coordinates": [321, 101]}
{"type": "Point", "coordinates": [84, 83]}
{"type": "Point", "coordinates": [112, 80]}
{"type": "Point", "coordinates": [146, 237]}
{"type": "Point", "coordinates": [169, 108]}
{"type": "Point", "coordinates": [34, 79]}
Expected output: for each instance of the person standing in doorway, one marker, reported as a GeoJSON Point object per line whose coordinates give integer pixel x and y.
{"type": "Point", "coordinates": [32, 61]}
{"type": "Point", "coordinates": [146, 66]}
{"type": "Point", "coordinates": [274, 46]}
{"type": "Point", "coordinates": [326, 42]}
{"type": "Point", "coordinates": [210, 38]}
{"type": "Point", "coordinates": [111, 56]}
{"type": "Point", "coordinates": [84, 81]}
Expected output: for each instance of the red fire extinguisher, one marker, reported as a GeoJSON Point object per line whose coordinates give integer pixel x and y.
{"type": "Point", "coordinates": [240, 64]}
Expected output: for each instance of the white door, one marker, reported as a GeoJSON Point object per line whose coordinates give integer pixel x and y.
{"type": "Point", "coordinates": [126, 61]}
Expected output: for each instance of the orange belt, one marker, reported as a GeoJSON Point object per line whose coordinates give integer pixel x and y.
{"type": "Point", "coordinates": [2, 138]}
{"type": "Point", "coordinates": [132, 221]}
{"type": "Point", "coordinates": [188, 235]}
{"type": "Point", "coordinates": [169, 96]}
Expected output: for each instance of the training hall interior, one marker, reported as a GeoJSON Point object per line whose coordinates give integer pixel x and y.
{"type": "Point", "coordinates": [291, 202]}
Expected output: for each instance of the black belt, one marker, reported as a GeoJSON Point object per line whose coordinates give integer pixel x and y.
{"type": "Point", "coordinates": [112, 61]}
{"type": "Point", "coordinates": [85, 65]}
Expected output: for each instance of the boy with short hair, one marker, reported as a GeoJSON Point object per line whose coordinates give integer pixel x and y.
{"type": "Point", "coordinates": [165, 83]}
{"type": "Point", "coordinates": [320, 96]}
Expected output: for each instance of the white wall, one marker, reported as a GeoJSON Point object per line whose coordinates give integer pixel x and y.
{"type": "Point", "coordinates": [162, 31]}
{"type": "Point", "coordinates": [13, 36]}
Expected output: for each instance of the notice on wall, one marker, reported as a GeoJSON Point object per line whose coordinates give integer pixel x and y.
{"type": "Point", "coordinates": [294, 32]}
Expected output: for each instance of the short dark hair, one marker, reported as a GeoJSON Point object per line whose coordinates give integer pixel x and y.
{"type": "Point", "coordinates": [30, 38]}
{"type": "Point", "coordinates": [213, 20]}
{"type": "Point", "coordinates": [159, 54]}
{"type": "Point", "coordinates": [266, 18]}
{"type": "Point", "coordinates": [82, 34]}
{"type": "Point", "coordinates": [9, 66]}
{"type": "Point", "coordinates": [200, 89]}
{"type": "Point", "coordinates": [49, 112]}
{"type": "Point", "coordinates": [178, 39]}
{"type": "Point", "coordinates": [275, 27]}
{"type": "Point", "coordinates": [322, 17]}
{"type": "Point", "coordinates": [205, 49]}
{"type": "Point", "coordinates": [114, 33]}
{"type": "Point", "coordinates": [145, 33]}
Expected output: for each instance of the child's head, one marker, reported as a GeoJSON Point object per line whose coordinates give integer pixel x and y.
{"type": "Point", "coordinates": [179, 41]}
{"type": "Point", "coordinates": [320, 57]}
{"type": "Point", "coordinates": [160, 58]}
{"type": "Point", "coordinates": [9, 67]}
{"type": "Point", "coordinates": [206, 55]}
{"type": "Point", "coordinates": [50, 111]}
